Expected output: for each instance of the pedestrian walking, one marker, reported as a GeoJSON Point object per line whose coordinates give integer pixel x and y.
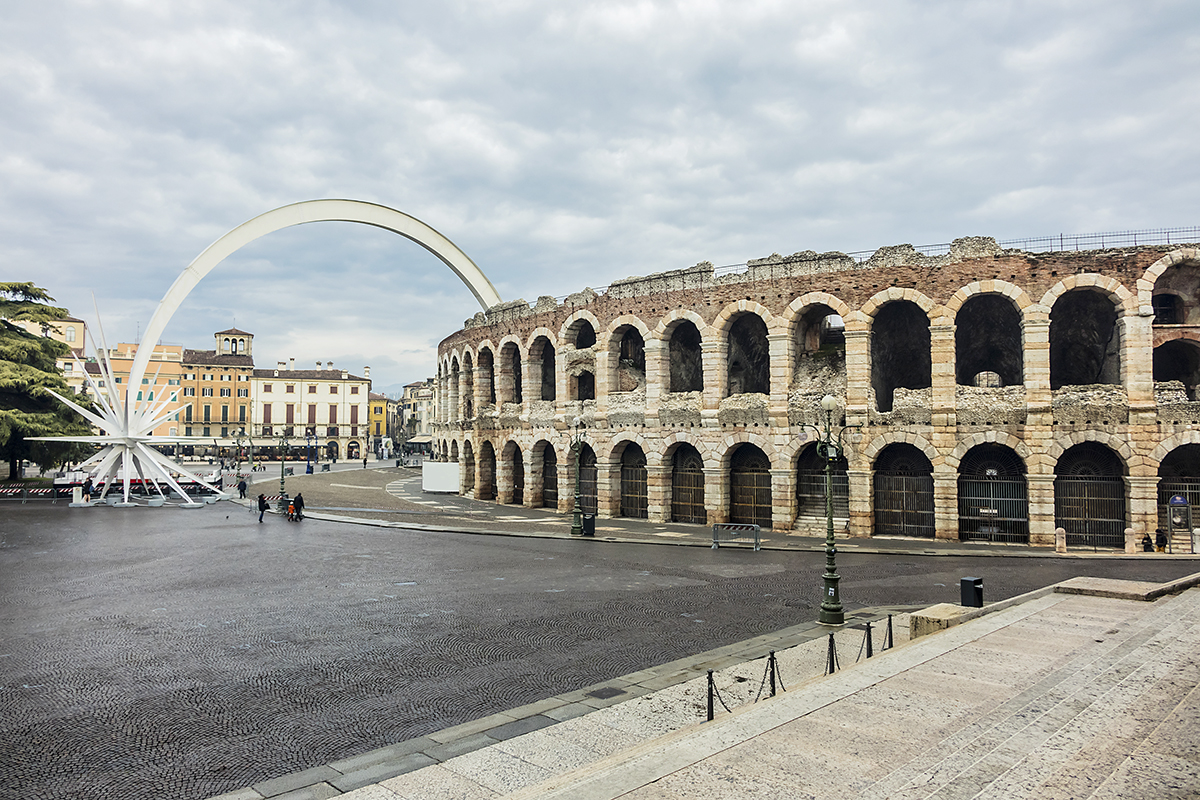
{"type": "Point", "coordinates": [1160, 540]}
{"type": "Point", "coordinates": [364, 462]}
{"type": "Point", "coordinates": [88, 489]}
{"type": "Point", "coordinates": [262, 506]}
{"type": "Point", "coordinates": [242, 488]}
{"type": "Point", "coordinates": [298, 502]}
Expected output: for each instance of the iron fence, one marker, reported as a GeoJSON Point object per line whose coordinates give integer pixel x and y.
{"type": "Point", "coordinates": [904, 505]}
{"type": "Point", "coordinates": [993, 510]}
{"type": "Point", "coordinates": [810, 494]}
{"type": "Point", "coordinates": [750, 497]}
{"type": "Point", "coordinates": [687, 497]}
{"type": "Point", "coordinates": [1091, 509]}
{"type": "Point", "coordinates": [633, 491]}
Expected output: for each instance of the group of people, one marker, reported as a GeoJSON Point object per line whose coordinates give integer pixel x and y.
{"type": "Point", "coordinates": [295, 509]}
{"type": "Point", "coordinates": [1159, 543]}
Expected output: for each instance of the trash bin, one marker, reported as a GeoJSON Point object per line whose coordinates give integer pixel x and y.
{"type": "Point", "coordinates": [972, 592]}
{"type": "Point", "coordinates": [589, 524]}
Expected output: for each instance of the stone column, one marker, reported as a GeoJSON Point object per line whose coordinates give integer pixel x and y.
{"type": "Point", "coordinates": [1137, 367]}
{"type": "Point", "coordinates": [1143, 503]}
{"type": "Point", "coordinates": [534, 479]}
{"type": "Point", "coordinates": [1040, 487]}
{"type": "Point", "coordinates": [712, 357]}
{"type": "Point", "coordinates": [605, 367]}
{"type": "Point", "coordinates": [780, 348]}
{"type": "Point", "coordinates": [858, 376]}
{"type": "Point", "coordinates": [566, 483]}
{"type": "Point", "coordinates": [862, 522]}
{"type": "Point", "coordinates": [1035, 336]}
{"type": "Point", "coordinates": [504, 476]}
{"type": "Point", "coordinates": [608, 487]}
{"type": "Point", "coordinates": [942, 376]}
{"type": "Point", "coordinates": [531, 381]}
{"type": "Point", "coordinates": [783, 499]}
{"type": "Point", "coordinates": [658, 492]}
{"type": "Point", "coordinates": [716, 483]}
{"type": "Point", "coordinates": [945, 505]}
{"type": "Point", "coordinates": [658, 377]}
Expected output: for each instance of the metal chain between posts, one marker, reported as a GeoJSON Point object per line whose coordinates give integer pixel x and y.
{"type": "Point", "coordinates": [771, 670]}
{"type": "Point", "coordinates": [712, 689]}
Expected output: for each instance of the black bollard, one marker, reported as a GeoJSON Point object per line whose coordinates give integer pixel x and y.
{"type": "Point", "coordinates": [888, 644]}
{"type": "Point", "coordinates": [831, 664]}
{"type": "Point", "coordinates": [710, 696]}
{"type": "Point", "coordinates": [771, 664]}
{"type": "Point", "coordinates": [870, 651]}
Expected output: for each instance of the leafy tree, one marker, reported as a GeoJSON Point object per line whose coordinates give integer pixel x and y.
{"type": "Point", "coordinates": [27, 370]}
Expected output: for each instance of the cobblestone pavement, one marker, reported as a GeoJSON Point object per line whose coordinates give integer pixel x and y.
{"type": "Point", "coordinates": [168, 653]}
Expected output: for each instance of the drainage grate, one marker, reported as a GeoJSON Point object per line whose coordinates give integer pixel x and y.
{"type": "Point", "coordinates": [605, 692]}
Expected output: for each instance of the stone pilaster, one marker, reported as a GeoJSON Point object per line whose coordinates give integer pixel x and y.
{"type": "Point", "coordinates": [1035, 335]}
{"type": "Point", "coordinates": [861, 519]}
{"type": "Point", "coordinates": [716, 484]}
{"type": "Point", "coordinates": [941, 344]}
{"type": "Point", "coordinates": [658, 377]}
{"type": "Point", "coordinates": [780, 347]}
{"type": "Point", "coordinates": [858, 375]}
{"type": "Point", "coordinates": [945, 505]}
{"type": "Point", "coordinates": [1143, 503]}
{"type": "Point", "coordinates": [783, 499]}
{"type": "Point", "coordinates": [712, 357]}
{"type": "Point", "coordinates": [658, 493]}
{"type": "Point", "coordinates": [1137, 367]}
{"type": "Point", "coordinates": [1040, 488]}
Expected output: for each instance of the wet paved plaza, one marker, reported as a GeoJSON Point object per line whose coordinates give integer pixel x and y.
{"type": "Point", "coordinates": [163, 653]}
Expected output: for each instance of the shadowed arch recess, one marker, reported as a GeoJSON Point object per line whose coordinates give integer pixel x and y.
{"type": "Point", "coordinates": [299, 214]}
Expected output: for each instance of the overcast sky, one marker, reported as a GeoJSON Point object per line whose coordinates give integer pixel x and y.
{"type": "Point", "coordinates": [560, 145]}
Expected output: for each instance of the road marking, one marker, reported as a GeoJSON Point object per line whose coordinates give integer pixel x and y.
{"type": "Point", "coordinates": [352, 486]}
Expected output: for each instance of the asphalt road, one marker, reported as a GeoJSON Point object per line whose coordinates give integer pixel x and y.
{"type": "Point", "coordinates": [168, 653]}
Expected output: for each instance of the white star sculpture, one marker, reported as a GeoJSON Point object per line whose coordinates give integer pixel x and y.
{"type": "Point", "coordinates": [128, 424]}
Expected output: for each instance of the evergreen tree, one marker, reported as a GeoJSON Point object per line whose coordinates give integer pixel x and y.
{"type": "Point", "coordinates": [27, 370]}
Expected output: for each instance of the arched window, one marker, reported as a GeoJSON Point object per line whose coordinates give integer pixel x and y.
{"type": "Point", "coordinates": [1178, 360]}
{"type": "Point", "coordinates": [1084, 342]}
{"type": "Point", "coordinates": [541, 353]}
{"type": "Point", "coordinates": [993, 504]}
{"type": "Point", "coordinates": [631, 360]}
{"type": "Point", "coordinates": [750, 487]}
{"type": "Point", "coordinates": [987, 342]}
{"type": "Point", "coordinates": [1089, 496]}
{"type": "Point", "coordinates": [468, 468]}
{"type": "Point", "coordinates": [516, 466]}
{"type": "Point", "coordinates": [633, 482]}
{"type": "Point", "coordinates": [487, 472]}
{"type": "Point", "coordinates": [1179, 475]}
{"type": "Point", "coordinates": [687, 486]}
{"type": "Point", "coordinates": [900, 351]}
{"type": "Point", "coordinates": [749, 356]}
{"type": "Point", "coordinates": [903, 492]}
{"type": "Point", "coordinates": [581, 334]}
{"type": "Point", "coordinates": [686, 363]}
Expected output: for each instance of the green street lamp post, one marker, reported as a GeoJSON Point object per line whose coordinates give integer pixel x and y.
{"type": "Point", "coordinates": [576, 450]}
{"type": "Point", "coordinates": [831, 448]}
{"type": "Point", "coordinates": [283, 445]}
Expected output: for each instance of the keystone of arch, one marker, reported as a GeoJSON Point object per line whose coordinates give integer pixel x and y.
{"type": "Point", "coordinates": [300, 214]}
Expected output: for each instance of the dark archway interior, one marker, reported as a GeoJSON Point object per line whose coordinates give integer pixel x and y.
{"type": "Point", "coordinates": [1089, 459]}
{"type": "Point", "coordinates": [991, 461]}
{"type": "Point", "coordinates": [820, 346]}
{"type": "Point", "coordinates": [1178, 360]}
{"type": "Point", "coordinates": [468, 388]}
{"type": "Point", "coordinates": [585, 386]}
{"type": "Point", "coordinates": [1182, 462]}
{"type": "Point", "coordinates": [900, 351]}
{"type": "Point", "coordinates": [903, 459]}
{"type": "Point", "coordinates": [686, 364]}
{"type": "Point", "coordinates": [544, 351]}
{"type": "Point", "coordinates": [987, 338]}
{"type": "Point", "coordinates": [749, 356]}
{"type": "Point", "coordinates": [1176, 293]}
{"type": "Point", "coordinates": [513, 356]}
{"type": "Point", "coordinates": [1084, 346]}
{"type": "Point", "coordinates": [488, 376]}
{"type": "Point", "coordinates": [585, 334]}
{"type": "Point", "coordinates": [631, 361]}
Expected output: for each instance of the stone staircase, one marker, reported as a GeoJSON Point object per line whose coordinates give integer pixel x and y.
{"type": "Point", "coordinates": [1063, 696]}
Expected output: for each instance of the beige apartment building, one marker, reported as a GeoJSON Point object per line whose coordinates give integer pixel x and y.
{"type": "Point", "coordinates": [324, 407]}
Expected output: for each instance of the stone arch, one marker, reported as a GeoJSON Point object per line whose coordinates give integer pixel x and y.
{"type": "Point", "coordinates": [1126, 301]}
{"type": "Point", "coordinates": [724, 449]}
{"type": "Point", "coordinates": [1164, 448]}
{"type": "Point", "coordinates": [669, 444]}
{"type": "Point", "coordinates": [533, 335]}
{"type": "Point", "coordinates": [673, 317]}
{"type": "Point", "coordinates": [1145, 284]}
{"type": "Point", "coordinates": [796, 308]}
{"type": "Point", "coordinates": [564, 331]}
{"type": "Point", "coordinates": [1020, 298]}
{"type": "Point", "coordinates": [1134, 464]}
{"type": "Point", "coordinates": [617, 443]}
{"type": "Point", "coordinates": [299, 214]}
{"type": "Point", "coordinates": [877, 444]}
{"type": "Point", "coordinates": [632, 320]}
{"type": "Point", "coordinates": [1018, 446]}
{"type": "Point", "coordinates": [733, 310]}
{"type": "Point", "coordinates": [880, 299]}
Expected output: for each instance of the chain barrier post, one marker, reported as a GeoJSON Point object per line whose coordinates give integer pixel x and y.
{"type": "Point", "coordinates": [710, 695]}
{"type": "Point", "coordinates": [771, 663]}
{"type": "Point", "coordinates": [831, 662]}
{"type": "Point", "coordinates": [888, 644]}
{"type": "Point", "coordinates": [870, 650]}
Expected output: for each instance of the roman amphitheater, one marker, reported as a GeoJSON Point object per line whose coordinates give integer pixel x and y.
{"type": "Point", "coordinates": [987, 394]}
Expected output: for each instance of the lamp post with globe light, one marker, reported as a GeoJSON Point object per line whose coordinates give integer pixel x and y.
{"type": "Point", "coordinates": [830, 448]}
{"type": "Point", "coordinates": [576, 442]}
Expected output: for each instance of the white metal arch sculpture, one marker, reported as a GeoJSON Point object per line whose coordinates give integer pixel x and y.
{"type": "Point", "coordinates": [129, 421]}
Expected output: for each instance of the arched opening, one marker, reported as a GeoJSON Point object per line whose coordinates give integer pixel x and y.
{"type": "Point", "coordinates": [1084, 344]}
{"type": "Point", "coordinates": [541, 353]}
{"type": "Point", "coordinates": [587, 479]}
{"type": "Point", "coordinates": [331, 450]}
{"type": "Point", "coordinates": [454, 397]}
{"type": "Point", "coordinates": [633, 482]}
{"type": "Point", "coordinates": [748, 356]}
{"type": "Point", "coordinates": [687, 486]}
{"type": "Point", "coordinates": [549, 477]}
{"type": "Point", "coordinates": [903, 492]}
{"type": "Point", "coordinates": [487, 472]}
{"type": "Point", "coordinates": [819, 341]}
{"type": "Point", "coordinates": [810, 486]}
{"type": "Point", "coordinates": [631, 360]}
{"type": "Point", "coordinates": [683, 353]}
{"type": "Point", "coordinates": [993, 498]}
{"type": "Point", "coordinates": [1178, 360]}
{"type": "Point", "coordinates": [1176, 297]}
{"type": "Point", "coordinates": [583, 386]}
{"type": "Point", "coordinates": [468, 468]}
{"type": "Point", "coordinates": [581, 334]}
{"type": "Point", "coordinates": [516, 469]}
{"type": "Point", "coordinates": [987, 340]}
{"type": "Point", "coordinates": [352, 451]}
{"type": "Point", "coordinates": [750, 487]}
{"type": "Point", "coordinates": [1089, 496]}
{"type": "Point", "coordinates": [454, 451]}
{"type": "Point", "coordinates": [900, 351]}
{"type": "Point", "coordinates": [487, 377]}
{"type": "Point", "coordinates": [510, 374]}
{"type": "Point", "coordinates": [1179, 475]}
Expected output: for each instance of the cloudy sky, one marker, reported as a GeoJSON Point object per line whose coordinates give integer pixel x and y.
{"type": "Point", "coordinates": [560, 145]}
